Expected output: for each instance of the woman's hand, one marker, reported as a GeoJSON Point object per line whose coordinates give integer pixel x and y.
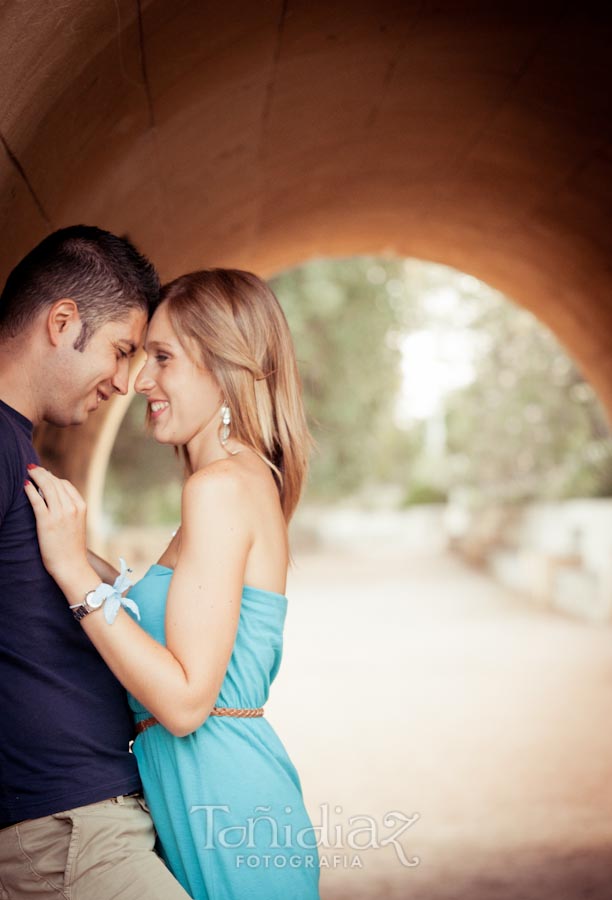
{"type": "Point", "coordinates": [61, 516]}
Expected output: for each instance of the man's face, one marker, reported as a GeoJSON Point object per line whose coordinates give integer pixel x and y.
{"type": "Point", "coordinates": [86, 378]}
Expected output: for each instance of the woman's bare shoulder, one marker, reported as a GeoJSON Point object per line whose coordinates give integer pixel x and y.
{"type": "Point", "coordinates": [242, 486]}
{"type": "Point", "coordinates": [219, 481]}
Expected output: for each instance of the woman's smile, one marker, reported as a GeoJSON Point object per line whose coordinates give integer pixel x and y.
{"type": "Point", "coordinates": [157, 407]}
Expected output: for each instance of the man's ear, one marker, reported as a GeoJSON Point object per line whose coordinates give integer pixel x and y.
{"type": "Point", "coordinates": [63, 318]}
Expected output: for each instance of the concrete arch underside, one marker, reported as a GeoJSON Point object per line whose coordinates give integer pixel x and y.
{"type": "Point", "coordinates": [474, 134]}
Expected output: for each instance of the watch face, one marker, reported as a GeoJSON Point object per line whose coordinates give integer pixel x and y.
{"type": "Point", "coordinates": [93, 601]}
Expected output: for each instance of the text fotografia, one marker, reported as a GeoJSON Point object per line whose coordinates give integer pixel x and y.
{"type": "Point", "coordinates": [259, 835]}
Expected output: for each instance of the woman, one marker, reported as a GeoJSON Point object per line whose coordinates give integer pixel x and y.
{"type": "Point", "coordinates": [221, 384]}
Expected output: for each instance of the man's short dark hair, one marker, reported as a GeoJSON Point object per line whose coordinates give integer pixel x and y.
{"type": "Point", "coordinates": [104, 274]}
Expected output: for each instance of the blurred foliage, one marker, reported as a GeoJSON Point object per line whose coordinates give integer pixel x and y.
{"type": "Point", "coordinates": [526, 425]}
{"type": "Point", "coordinates": [423, 492]}
{"type": "Point", "coordinates": [143, 486]}
{"type": "Point", "coordinates": [529, 426]}
{"type": "Point", "coordinates": [341, 315]}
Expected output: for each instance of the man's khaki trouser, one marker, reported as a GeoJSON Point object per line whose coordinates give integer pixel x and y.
{"type": "Point", "coordinates": [103, 851]}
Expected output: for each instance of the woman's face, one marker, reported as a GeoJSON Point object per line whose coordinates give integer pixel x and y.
{"type": "Point", "coordinates": [184, 398]}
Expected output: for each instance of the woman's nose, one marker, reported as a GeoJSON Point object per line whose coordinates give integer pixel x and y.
{"type": "Point", "coordinates": [143, 382]}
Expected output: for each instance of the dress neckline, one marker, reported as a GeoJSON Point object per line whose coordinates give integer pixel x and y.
{"type": "Point", "coordinates": [246, 587]}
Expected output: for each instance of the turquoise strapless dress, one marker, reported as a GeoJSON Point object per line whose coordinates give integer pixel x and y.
{"type": "Point", "coordinates": [226, 800]}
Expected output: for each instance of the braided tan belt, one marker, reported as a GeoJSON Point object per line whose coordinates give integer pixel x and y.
{"type": "Point", "coordinates": [215, 711]}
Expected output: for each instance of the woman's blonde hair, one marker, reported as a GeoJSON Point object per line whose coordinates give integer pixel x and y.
{"type": "Point", "coordinates": [236, 324]}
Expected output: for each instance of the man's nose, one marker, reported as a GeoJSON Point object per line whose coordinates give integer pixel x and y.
{"type": "Point", "coordinates": [121, 379]}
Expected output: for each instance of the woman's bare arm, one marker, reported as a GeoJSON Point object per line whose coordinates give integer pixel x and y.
{"type": "Point", "coordinates": [179, 683]}
{"type": "Point", "coordinates": [101, 567]}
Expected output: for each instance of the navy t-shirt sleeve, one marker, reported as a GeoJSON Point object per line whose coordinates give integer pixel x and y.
{"type": "Point", "coordinates": [10, 477]}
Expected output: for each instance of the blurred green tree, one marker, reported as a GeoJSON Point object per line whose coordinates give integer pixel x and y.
{"type": "Point", "coordinates": [529, 425]}
{"type": "Point", "coordinates": [343, 314]}
{"type": "Point", "coordinates": [143, 485]}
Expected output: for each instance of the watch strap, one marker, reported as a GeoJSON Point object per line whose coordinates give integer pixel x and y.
{"type": "Point", "coordinates": [80, 611]}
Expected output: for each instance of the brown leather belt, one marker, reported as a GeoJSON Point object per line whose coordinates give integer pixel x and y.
{"type": "Point", "coordinates": [215, 711]}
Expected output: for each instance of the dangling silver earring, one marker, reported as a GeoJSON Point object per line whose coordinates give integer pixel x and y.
{"type": "Point", "coordinates": [226, 420]}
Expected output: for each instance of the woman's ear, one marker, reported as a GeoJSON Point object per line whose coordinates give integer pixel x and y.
{"type": "Point", "coordinates": [62, 319]}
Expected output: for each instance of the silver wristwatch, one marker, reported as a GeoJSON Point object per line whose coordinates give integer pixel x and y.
{"type": "Point", "coordinates": [91, 601]}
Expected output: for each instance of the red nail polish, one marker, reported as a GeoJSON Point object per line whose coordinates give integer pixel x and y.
{"type": "Point", "coordinates": [31, 466]}
{"type": "Point", "coordinates": [26, 483]}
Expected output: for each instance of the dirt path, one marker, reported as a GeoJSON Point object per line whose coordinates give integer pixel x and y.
{"type": "Point", "coordinates": [416, 685]}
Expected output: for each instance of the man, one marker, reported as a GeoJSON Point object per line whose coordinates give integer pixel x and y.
{"type": "Point", "coordinates": [72, 823]}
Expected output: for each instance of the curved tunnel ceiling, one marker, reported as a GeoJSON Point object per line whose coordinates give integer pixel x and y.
{"type": "Point", "coordinates": [259, 134]}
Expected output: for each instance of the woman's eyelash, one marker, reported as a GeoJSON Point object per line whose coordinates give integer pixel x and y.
{"type": "Point", "coordinates": [160, 357]}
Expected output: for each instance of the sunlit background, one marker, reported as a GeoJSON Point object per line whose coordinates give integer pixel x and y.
{"type": "Point", "coordinates": [448, 652]}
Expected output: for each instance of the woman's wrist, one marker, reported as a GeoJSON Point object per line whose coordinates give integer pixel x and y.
{"type": "Point", "coordinates": [85, 592]}
{"type": "Point", "coordinates": [76, 581]}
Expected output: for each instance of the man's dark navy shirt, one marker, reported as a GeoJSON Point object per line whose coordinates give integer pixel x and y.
{"type": "Point", "coordinates": [65, 725]}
